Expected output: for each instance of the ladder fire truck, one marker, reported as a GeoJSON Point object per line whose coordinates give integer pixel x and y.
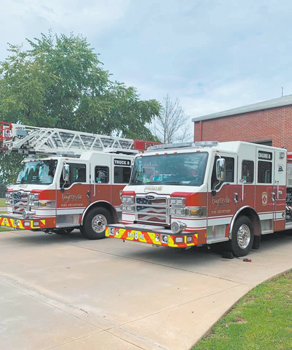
{"type": "Point", "coordinates": [69, 180]}
{"type": "Point", "coordinates": [201, 193]}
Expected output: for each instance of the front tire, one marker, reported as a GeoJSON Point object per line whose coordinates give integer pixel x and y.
{"type": "Point", "coordinates": [242, 236]}
{"type": "Point", "coordinates": [95, 223]}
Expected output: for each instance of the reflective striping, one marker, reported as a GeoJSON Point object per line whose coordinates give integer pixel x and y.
{"type": "Point", "coordinates": [153, 238]}
{"type": "Point", "coordinates": [22, 224]}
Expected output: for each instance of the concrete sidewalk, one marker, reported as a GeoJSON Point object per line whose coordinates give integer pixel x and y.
{"type": "Point", "coordinates": [67, 293]}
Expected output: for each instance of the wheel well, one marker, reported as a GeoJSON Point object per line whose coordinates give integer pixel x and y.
{"type": "Point", "coordinates": [105, 205]}
{"type": "Point", "coordinates": [252, 215]}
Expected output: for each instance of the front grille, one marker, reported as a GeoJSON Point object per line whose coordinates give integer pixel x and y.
{"type": "Point", "coordinates": [152, 208]}
{"type": "Point", "coordinates": [19, 202]}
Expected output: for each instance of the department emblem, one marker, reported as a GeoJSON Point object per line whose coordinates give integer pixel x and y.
{"type": "Point", "coordinates": [264, 198]}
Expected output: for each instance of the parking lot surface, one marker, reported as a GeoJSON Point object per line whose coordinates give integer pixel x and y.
{"type": "Point", "coordinates": [66, 293]}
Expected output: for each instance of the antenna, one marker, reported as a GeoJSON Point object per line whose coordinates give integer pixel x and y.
{"type": "Point", "coordinates": [282, 91]}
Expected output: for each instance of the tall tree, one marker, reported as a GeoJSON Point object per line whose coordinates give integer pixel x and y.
{"type": "Point", "coordinates": [172, 124]}
{"type": "Point", "coordinates": [59, 82]}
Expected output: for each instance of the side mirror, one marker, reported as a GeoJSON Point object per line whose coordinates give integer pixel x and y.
{"type": "Point", "coordinates": [220, 169]}
{"type": "Point", "coordinates": [66, 172]}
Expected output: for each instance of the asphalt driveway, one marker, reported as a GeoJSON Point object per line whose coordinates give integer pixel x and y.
{"type": "Point", "coordinates": [65, 292]}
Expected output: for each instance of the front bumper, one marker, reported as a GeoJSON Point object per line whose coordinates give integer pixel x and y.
{"type": "Point", "coordinates": [156, 236]}
{"type": "Point", "coordinates": [19, 223]}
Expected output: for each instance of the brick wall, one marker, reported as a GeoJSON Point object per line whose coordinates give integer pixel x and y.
{"type": "Point", "coordinates": [272, 124]}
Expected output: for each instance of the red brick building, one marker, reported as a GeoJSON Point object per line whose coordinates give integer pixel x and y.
{"type": "Point", "coordinates": [268, 122]}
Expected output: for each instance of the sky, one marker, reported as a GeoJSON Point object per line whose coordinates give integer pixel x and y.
{"type": "Point", "coordinates": [212, 55]}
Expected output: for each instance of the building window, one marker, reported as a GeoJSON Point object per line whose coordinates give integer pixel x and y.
{"type": "Point", "coordinates": [101, 174]}
{"type": "Point", "coordinates": [122, 175]}
{"type": "Point", "coordinates": [247, 172]}
{"type": "Point", "coordinates": [264, 172]}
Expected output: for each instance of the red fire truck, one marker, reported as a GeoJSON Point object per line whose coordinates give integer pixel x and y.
{"type": "Point", "coordinates": [77, 183]}
{"type": "Point", "coordinates": [186, 195]}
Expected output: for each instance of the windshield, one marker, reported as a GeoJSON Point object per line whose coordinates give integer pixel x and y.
{"type": "Point", "coordinates": [37, 172]}
{"type": "Point", "coordinates": [171, 169]}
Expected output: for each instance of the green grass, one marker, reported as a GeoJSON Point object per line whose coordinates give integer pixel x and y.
{"type": "Point", "coordinates": [2, 202]}
{"type": "Point", "coordinates": [260, 320]}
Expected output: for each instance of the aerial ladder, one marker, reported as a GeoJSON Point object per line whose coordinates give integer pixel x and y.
{"type": "Point", "coordinates": [39, 140]}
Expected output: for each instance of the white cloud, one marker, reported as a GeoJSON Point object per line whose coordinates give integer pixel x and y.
{"type": "Point", "coordinates": [213, 55]}
{"type": "Point", "coordinates": [28, 18]}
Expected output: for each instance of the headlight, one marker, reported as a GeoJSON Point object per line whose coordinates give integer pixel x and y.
{"type": "Point", "coordinates": [177, 211]}
{"type": "Point", "coordinates": [128, 208]}
{"type": "Point", "coordinates": [34, 196]}
{"type": "Point", "coordinates": [128, 200]}
{"type": "Point", "coordinates": [33, 199]}
{"type": "Point", "coordinates": [177, 201]}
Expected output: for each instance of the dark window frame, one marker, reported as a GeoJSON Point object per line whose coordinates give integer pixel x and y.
{"type": "Point", "coordinates": [74, 167]}
{"type": "Point", "coordinates": [103, 170]}
{"type": "Point", "coordinates": [268, 172]}
{"type": "Point", "coordinates": [124, 169]}
{"type": "Point", "coordinates": [248, 177]}
{"type": "Point", "coordinates": [214, 180]}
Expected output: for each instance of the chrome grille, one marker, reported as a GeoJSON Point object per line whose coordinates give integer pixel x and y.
{"type": "Point", "coordinates": [152, 208]}
{"type": "Point", "coordinates": [20, 201]}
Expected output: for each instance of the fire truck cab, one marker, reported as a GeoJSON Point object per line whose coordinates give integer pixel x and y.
{"type": "Point", "coordinates": [58, 194]}
{"type": "Point", "coordinates": [76, 185]}
{"type": "Point", "coordinates": [185, 195]}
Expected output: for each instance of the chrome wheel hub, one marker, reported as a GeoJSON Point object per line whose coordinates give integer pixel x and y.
{"type": "Point", "coordinates": [98, 223]}
{"type": "Point", "coordinates": [243, 236]}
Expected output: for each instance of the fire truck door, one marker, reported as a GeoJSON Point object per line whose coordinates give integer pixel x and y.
{"type": "Point", "coordinates": [73, 196]}
{"type": "Point", "coordinates": [265, 189]}
{"type": "Point", "coordinates": [279, 190]}
{"type": "Point", "coordinates": [223, 202]}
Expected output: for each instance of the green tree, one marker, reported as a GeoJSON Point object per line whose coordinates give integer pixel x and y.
{"type": "Point", "coordinates": [10, 164]}
{"type": "Point", "coordinates": [59, 82]}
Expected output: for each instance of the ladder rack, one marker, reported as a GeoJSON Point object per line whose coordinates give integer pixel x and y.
{"type": "Point", "coordinates": [36, 140]}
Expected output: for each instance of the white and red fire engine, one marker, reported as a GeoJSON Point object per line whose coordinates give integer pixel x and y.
{"type": "Point", "coordinates": [201, 193]}
{"type": "Point", "coordinates": [76, 185]}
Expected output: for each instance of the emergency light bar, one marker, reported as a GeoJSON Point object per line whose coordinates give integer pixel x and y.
{"type": "Point", "coordinates": [206, 143]}
{"type": "Point", "coordinates": [170, 145]}
{"type": "Point", "coordinates": [184, 145]}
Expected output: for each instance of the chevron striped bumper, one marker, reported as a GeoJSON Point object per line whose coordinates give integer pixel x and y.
{"type": "Point", "coordinates": [158, 237]}
{"type": "Point", "coordinates": [27, 224]}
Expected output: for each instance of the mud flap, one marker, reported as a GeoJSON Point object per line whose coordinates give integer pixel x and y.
{"type": "Point", "coordinates": [256, 242]}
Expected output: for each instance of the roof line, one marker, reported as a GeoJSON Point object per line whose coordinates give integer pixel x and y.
{"type": "Point", "coordinates": [274, 103]}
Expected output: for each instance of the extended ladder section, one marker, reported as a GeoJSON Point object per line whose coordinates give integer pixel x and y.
{"type": "Point", "coordinates": [35, 140]}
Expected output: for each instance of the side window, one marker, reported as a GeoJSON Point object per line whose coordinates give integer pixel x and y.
{"type": "Point", "coordinates": [229, 164]}
{"type": "Point", "coordinates": [229, 169]}
{"type": "Point", "coordinates": [77, 174]}
{"type": "Point", "coordinates": [264, 172]}
{"type": "Point", "coordinates": [247, 172]}
{"type": "Point", "coordinates": [101, 174]}
{"type": "Point", "coordinates": [122, 175]}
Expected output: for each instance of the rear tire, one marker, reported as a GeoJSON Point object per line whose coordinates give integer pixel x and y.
{"type": "Point", "coordinates": [95, 223]}
{"type": "Point", "coordinates": [242, 236]}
